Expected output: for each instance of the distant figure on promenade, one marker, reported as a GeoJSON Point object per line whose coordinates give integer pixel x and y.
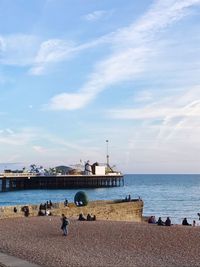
{"type": "Point", "coordinates": [88, 169]}
{"type": "Point", "coordinates": [81, 217]}
{"type": "Point", "coordinates": [152, 220]}
{"type": "Point", "coordinates": [66, 202]}
{"type": "Point", "coordinates": [185, 222]}
{"type": "Point", "coordinates": [94, 166]}
{"type": "Point", "coordinates": [15, 209]}
{"type": "Point", "coordinates": [168, 222]}
{"type": "Point", "coordinates": [160, 222]}
{"type": "Point", "coordinates": [65, 223]}
{"type": "Point", "coordinates": [129, 197]}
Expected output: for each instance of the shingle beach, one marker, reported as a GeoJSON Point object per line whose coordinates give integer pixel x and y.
{"type": "Point", "coordinates": [101, 243]}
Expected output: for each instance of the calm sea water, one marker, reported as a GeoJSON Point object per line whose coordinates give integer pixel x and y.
{"type": "Point", "coordinates": [176, 196]}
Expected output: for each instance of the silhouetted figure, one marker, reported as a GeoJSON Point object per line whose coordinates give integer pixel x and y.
{"type": "Point", "coordinates": [168, 222]}
{"type": "Point", "coordinates": [194, 223]}
{"type": "Point", "coordinates": [15, 209]}
{"type": "Point", "coordinates": [89, 218]}
{"type": "Point", "coordinates": [185, 222]}
{"type": "Point", "coordinates": [129, 197]}
{"type": "Point", "coordinates": [50, 204]}
{"type": "Point", "coordinates": [25, 209]}
{"type": "Point", "coordinates": [160, 222]}
{"type": "Point", "coordinates": [93, 167]}
{"type": "Point", "coordinates": [66, 202]}
{"type": "Point", "coordinates": [81, 217]}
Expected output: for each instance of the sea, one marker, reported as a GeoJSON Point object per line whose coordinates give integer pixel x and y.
{"type": "Point", "coordinates": [176, 196]}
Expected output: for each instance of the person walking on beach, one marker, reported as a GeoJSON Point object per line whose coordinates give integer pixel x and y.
{"type": "Point", "coordinates": [65, 223]}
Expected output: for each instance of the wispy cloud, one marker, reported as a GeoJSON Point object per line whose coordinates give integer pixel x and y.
{"type": "Point", "coordinates": [17, 138]}
{"type": "Point", "coordinates": [97, 14]}
{"type": "Point", "coordinates": [132, 47]}
{"type": "Point", "coordinates": [51, 51]}
{"type": "Point", "coordinates": [18, 49]}
{"type": "Point", "coordinates": [187, 104]}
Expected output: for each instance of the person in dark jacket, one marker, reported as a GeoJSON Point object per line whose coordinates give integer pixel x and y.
{"type": "Point", "coordinates": [168, 222]}
{"type": "Point", "coordinates": [65, 223]}
{"type": "Point", "coordinates": [160, 222]}
{"type": "Point", "coordinates": [185, 222]}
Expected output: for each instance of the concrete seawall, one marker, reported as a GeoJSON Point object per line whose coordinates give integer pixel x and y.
{"type": "Point", "coordinates": [104, 210]}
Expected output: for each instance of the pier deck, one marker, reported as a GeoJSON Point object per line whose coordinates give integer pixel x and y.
{"type": "Point", "coordinates": [13, 182]}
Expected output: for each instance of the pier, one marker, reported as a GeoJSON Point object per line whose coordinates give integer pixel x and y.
{"type": "Point", "coordinates": [23, 181]}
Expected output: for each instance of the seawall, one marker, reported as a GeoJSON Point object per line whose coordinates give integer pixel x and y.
{"type": "Point", "coordinates": [117, 210]}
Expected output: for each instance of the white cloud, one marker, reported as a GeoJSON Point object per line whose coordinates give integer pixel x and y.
{"type": "Point", "coordinates": [132, 47]}
{"type": "Point", "coordinates": [96, 15]}
{"type": "Point", "coordinates": [40, 149]}
{"type": "Point", "coordinates": [69, 101]}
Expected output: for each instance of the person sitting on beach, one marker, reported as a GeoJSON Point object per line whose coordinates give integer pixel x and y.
{"type": "Point", "coordinates": [89, 217]}
{"type": "Point", "coordinates": [41, 213]}
{"type": "Point", "coordinates": [25, 209]}
{"type": "Point", "coordinates": [160, 222]}
{"type": "Point", "coordinates": [185, 222]}
{"type": "Point", "coordinates": [48, 213]}
{"type": "Point", "coordinates": [81, 217]}
{"type": "Point", "coordinates": [152, 220]}
{"type": "Point", "coordinates": [168, 222]}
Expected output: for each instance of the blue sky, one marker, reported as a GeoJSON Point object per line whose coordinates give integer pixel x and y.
{"type": "Point", "coordinates": [76, 73]}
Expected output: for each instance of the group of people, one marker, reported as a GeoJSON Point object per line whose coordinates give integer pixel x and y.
{"type": "Point", "coordinates": [167, 222]}
{"type": "Point", "coordinates": [88, 218]}
{"type": "Point", "coordinates": [152, 220]}
{"type": "Point", "coordinates": [128, 198]}
{"type": "Point", "coordinates": [44, 209]}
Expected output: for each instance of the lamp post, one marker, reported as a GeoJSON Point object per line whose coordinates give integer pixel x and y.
{"type": "Point", "coordinates": [107, 156]}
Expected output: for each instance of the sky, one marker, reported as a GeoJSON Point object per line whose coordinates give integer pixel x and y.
{"type": "Point", "coordinates": [75, 73]}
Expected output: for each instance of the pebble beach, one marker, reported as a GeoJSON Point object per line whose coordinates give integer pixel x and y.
{"type": "Point", "coordinates": [99, 243]}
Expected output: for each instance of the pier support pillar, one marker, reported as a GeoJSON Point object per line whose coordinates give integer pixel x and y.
{"type": "Point", "coordinates": [3, 184]}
